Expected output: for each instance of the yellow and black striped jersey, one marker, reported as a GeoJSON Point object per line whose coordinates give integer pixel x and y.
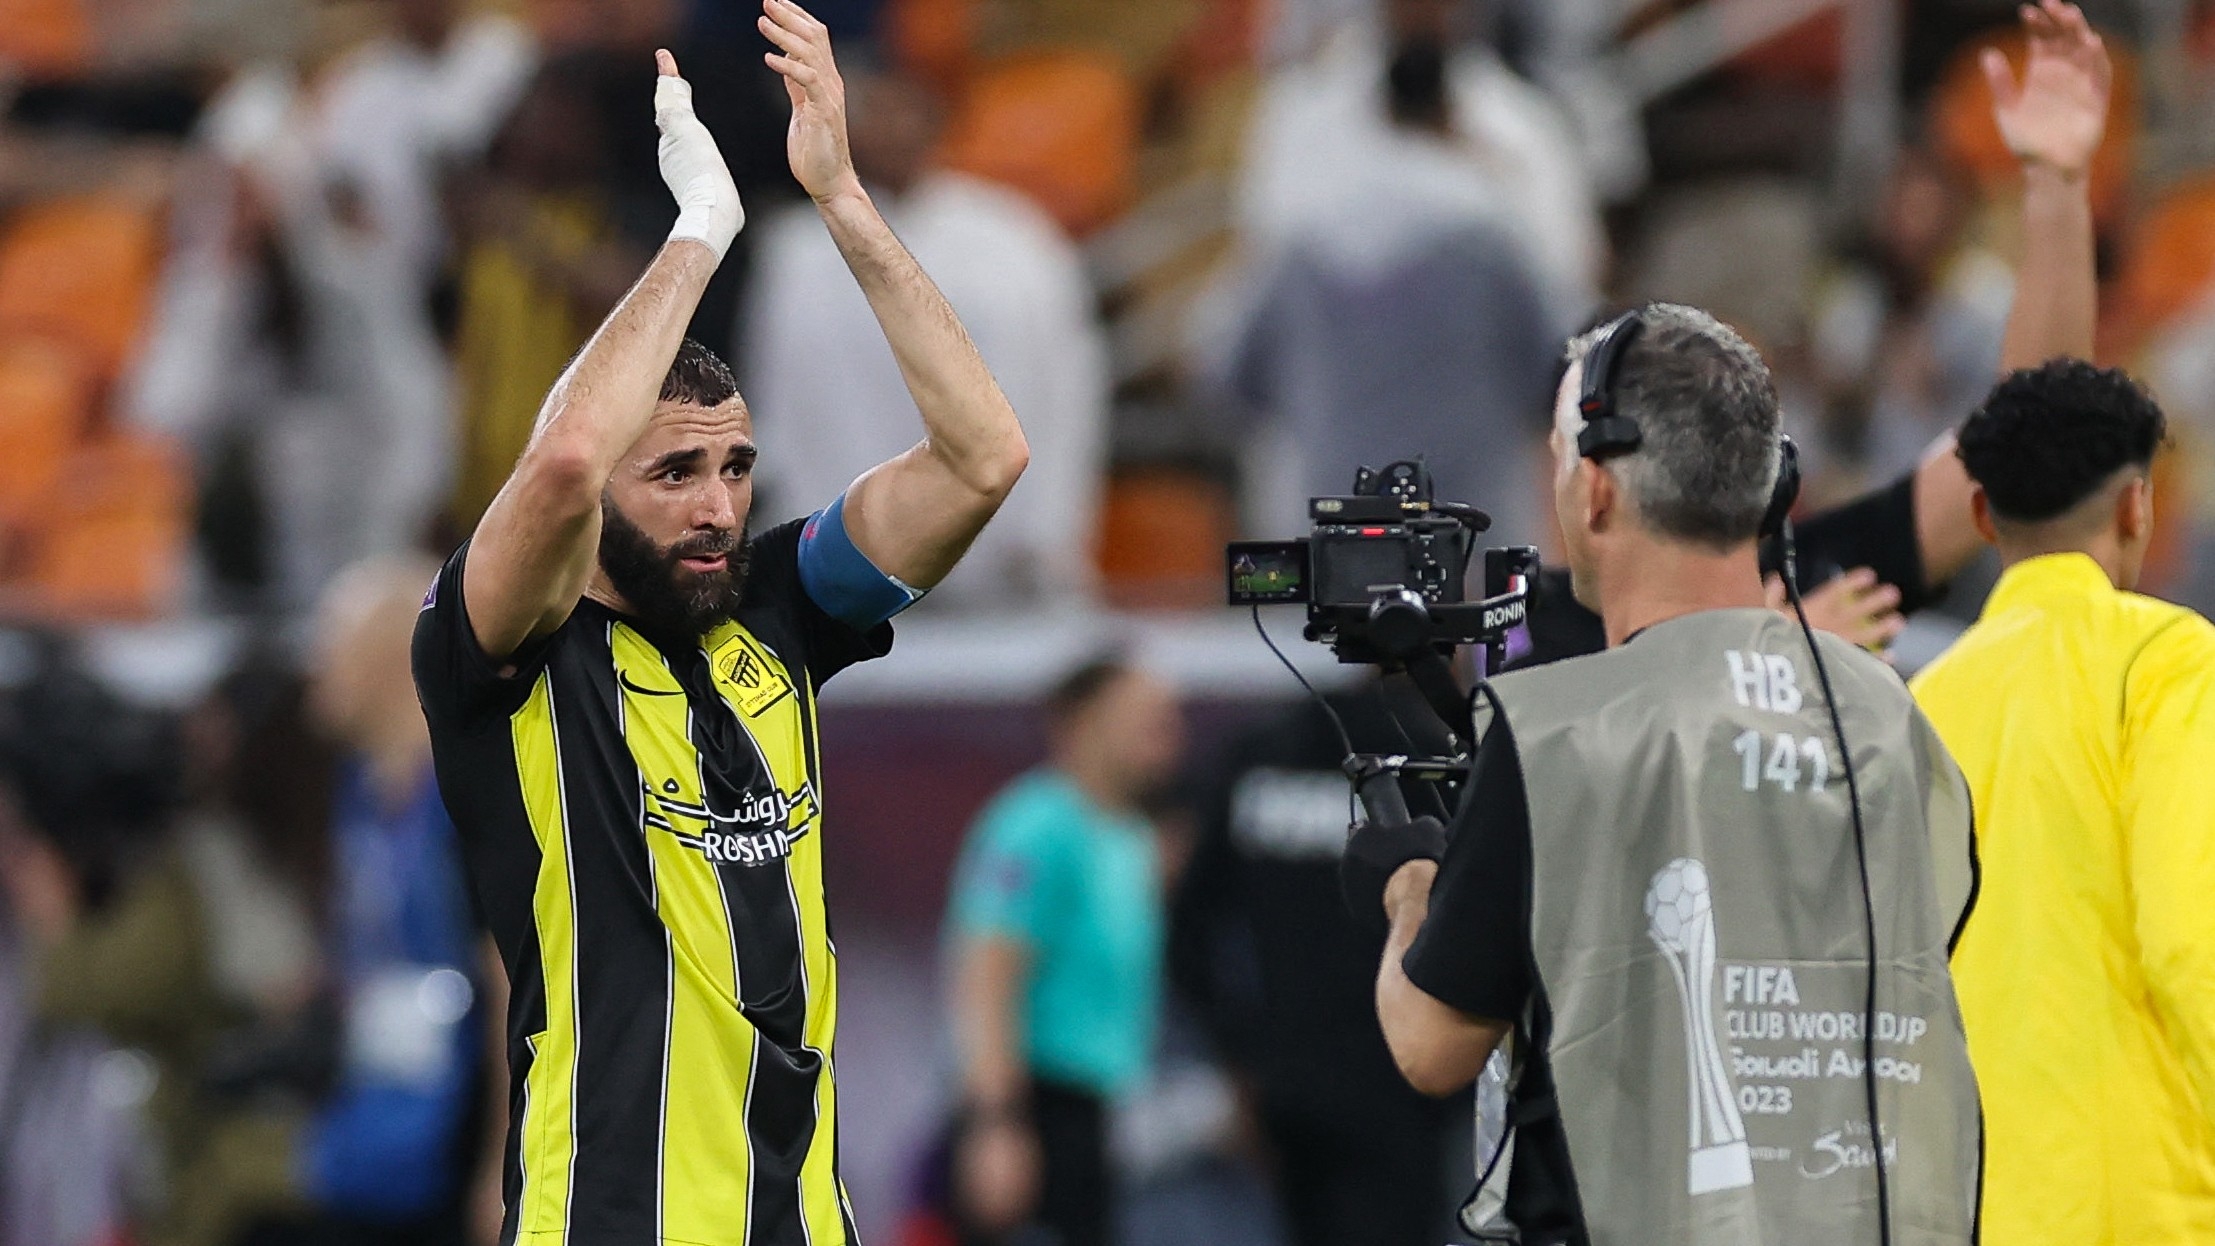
{"type": "Point", "coordinates": [642, 819]}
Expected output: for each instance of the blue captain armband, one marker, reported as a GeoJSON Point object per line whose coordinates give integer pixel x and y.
{"type": "Point", "coordinates": [840, 578]}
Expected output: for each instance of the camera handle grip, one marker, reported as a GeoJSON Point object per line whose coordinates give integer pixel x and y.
{"type": "Point", "coordinates": [1377, 784]}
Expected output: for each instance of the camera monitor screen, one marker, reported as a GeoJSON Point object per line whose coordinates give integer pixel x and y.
{"type": "Point", "coordinates": [1264, 573]}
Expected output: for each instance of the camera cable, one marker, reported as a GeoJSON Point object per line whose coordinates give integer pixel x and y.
{"type": "Point", "coordinates": [1868, 898]}
{"type": "Point", "coordinates": [1353, 797]}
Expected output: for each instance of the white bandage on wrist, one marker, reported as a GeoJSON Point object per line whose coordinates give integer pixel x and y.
{"type": "Point", "coordinates": [708, 207]}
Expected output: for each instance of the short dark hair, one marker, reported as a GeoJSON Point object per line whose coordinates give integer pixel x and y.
{"type": "Point", "coordinates": [2047, 438]}
{"type": "Point", "coordinates": [1707, 416]}
{"type": "Point", "coordinates": [1078, 689]}
{"type": "Point", "coordinates": [697, 377]}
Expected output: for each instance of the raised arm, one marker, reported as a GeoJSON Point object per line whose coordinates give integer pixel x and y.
{"type": "Point", "coordinates": [535, 547]}
{"type": "Point", "coordinates": [915, 515]}
{"type": "Point", "coordinates": [2052, 119]}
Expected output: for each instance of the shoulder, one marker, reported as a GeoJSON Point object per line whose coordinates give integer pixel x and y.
{"type": "Point", "coordinates": [2174, 645]}
{"type": "Point", "coordinates": [2164, 623]}
{"type": "Point", "coordinates": [1569, 674]}
{"type": "Point", "coordinates": [1027, 820]}
{"type": "Point", "coordinates": [1034, 803]}
{"type": "Point", "coordinates": [455, 679]}
{"type": "Point", "coordinates": [1869, 675]}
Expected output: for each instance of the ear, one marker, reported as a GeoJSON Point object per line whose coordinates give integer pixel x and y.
{"type": "Point", "coordinates": [1601, 498]}
{"type": "Point", "coordinates": [1980, 511]}
{"type": "Point", "coordinates": [2134, 510]}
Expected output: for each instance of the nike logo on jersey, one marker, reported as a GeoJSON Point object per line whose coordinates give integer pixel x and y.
{"type": "Point", "coordinates": [623, 677]}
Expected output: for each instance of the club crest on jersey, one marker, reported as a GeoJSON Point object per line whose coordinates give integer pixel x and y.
{"type": "Point", "coordinates": [751, 679]}
{"type": "Point", "coordinates": [761, 828]}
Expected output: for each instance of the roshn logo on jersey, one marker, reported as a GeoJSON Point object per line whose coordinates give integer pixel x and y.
{"type": "Point", "coordinates": [762, 828]}
{"type": "Point", "coordinates": [1680, 919]}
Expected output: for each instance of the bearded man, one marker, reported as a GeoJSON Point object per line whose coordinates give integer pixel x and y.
{"type": "Point", "coordinates": [620, 687]}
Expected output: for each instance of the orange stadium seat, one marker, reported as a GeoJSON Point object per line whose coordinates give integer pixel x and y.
{"type": "Point", "coordinates": [2168, 265]}
{"type": "Point", "coordinates": [44, 398]}
{"type": "Point", "coordinates": [1162, 531]}
{"type": "Point", "coordinates": [45, 38]}
{"type": "Point", "coordinates": [112, 540]}
{"type": "Point", "coordinates": [80, 270]}
{"type": "Point", "coordinates": [1060, 126]}
{"type": "Point", "coordinates": [932, 39]}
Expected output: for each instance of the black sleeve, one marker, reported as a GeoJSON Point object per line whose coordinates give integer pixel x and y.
{"type": "Point", "coordinates": [1474, 949]}
{"type": "Point", "coordinates": [778, 609]}
{"type": "Point", "coordinates": [455, 679]}
{"type": "Point", "coordinates": [1875, 530]}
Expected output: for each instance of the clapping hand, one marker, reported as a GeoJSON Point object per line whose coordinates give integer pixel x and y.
{"type": "Point", "coordinates": [2056, 113]}
{"type": "Point", "coordinates": [708, 207]}
{"type": "Point", "coordinates": [816, 141]}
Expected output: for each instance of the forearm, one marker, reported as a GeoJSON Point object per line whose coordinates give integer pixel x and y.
{"type": "Point", "coordinates": [534, 548]}
{"type": "Point", "coordinates": [1438, 1049]}
{"type": "Point", "coordinates": [987, 1027]}
{"type": "Point", "coordinates": [1399, 1001]}
{"type": "Point", "coordinates": [2056, 293]}
{"type": "Point", "coordinates": [968, 425]}
{"type": "Point", "coordinates": [605, 397]}
{"type": "Point", "coordinates": [2055, 310]}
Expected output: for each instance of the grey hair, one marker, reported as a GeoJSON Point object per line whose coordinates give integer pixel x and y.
{"type": "Point", "coordinates": [1706, 410]}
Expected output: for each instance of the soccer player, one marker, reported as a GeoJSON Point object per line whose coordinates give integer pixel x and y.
{"type": "Point", "coordinates": [2083, 716]}
{"type": "Point", "coordinates": [621, 687]}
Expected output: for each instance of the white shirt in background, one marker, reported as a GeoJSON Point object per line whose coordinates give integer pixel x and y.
{"type": "Point", "coordinates": [1317, 120]}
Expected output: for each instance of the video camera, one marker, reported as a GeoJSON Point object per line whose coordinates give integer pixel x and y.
{"type": "Point", "coordinates": [1384, 576]}
{"type": "Point", "coordinates": [1384, 572]}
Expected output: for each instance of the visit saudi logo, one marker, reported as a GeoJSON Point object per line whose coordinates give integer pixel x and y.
{"type": "Point", "coordinates": [1680, 919]}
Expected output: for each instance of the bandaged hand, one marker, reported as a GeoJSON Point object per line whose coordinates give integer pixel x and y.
{"type": "Point", "coordinates": [708, 207]}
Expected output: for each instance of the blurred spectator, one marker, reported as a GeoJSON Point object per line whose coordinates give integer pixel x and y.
{"type": "Point", "coordinates": [1018, 286]}
{"type": "Point", "coordinates": [1261, 942]}
{"type": "Point", "coordinates": [1332, 122]}
{"type": "Point", "coordinates": [293, 335]}
{"type": "Point", "coordinates": [1054, 926]}
{"type": "Point", "coordinates": [303, 1106]}
{"type": "Point", "coordinates": [66, 1148]}
{"type": "Point", "coordinates": [294, 327]}
{"type": "Point", "coordinates": [540, 262]}
{"type": "Point", "coordinates": [389, 1147]}
{"type": "Point", "coordinates": [1393, 315]}
{"type": "Point", "coordinates": [120, 933]}
{"type": "Point", "coordinates": [393, 113]}
{"type": "Point", "coordinates": [1905, 331]}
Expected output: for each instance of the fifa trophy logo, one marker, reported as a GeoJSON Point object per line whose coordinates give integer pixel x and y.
{"type": "Point", "coordinates": [1680, 919]}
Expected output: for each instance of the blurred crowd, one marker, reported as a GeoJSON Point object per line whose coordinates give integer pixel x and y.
{"type": "Point", "coordinates": [283, 282]}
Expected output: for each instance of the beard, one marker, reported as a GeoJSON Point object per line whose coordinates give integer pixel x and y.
{"type": "Point", "coordinates": [661, 591]}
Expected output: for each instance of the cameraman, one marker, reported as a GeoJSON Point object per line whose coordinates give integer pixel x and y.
{"type": "Point", "coordinates": [1653, 891]}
